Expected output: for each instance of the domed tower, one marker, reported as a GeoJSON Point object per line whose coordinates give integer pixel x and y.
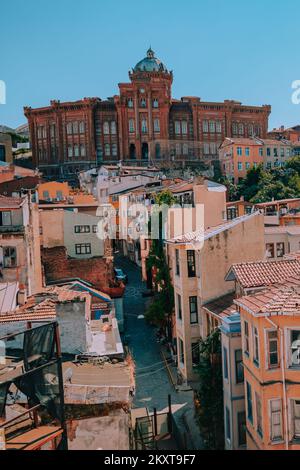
{"type": "Point", "coordinates": [143, 109]}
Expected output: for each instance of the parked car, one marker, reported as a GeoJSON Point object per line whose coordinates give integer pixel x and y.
{"type": "Point", "coordinates": [120, 275]}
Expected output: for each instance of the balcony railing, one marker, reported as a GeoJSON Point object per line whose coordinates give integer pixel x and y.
{"type": "Point", "coordinates": [12, 229]}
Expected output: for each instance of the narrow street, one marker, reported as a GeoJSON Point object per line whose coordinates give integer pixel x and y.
{"type": "Point", "coordinates": [152, 382]}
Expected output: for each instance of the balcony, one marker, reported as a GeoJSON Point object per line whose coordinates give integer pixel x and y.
{"type": "Point", "coordinates": [12, 229]}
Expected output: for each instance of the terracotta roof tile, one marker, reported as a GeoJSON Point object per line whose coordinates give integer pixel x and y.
{"type": "Point", "coordinates": [264, 273]}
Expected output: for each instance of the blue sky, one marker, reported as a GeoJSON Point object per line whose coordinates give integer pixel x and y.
{"type": "Point", "coordinates": [221, 49]}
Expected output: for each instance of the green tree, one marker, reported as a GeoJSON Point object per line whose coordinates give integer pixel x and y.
{"type": "Point", "coordinates": [210, 411]}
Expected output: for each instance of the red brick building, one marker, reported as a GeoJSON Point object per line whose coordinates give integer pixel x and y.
{"type": "Point", "coordinates": [141, 124]}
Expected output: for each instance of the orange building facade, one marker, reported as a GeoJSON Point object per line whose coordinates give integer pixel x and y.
{"type": "Point", "coordinates": [142, 124]}
{"type": "Point", "coordinates": [271, 359]}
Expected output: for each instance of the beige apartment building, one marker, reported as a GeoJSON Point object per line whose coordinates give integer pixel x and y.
{"type": "Point", "coordinates": [76, 231]}
{"type": "Point", "coordinates": [199, 278]}
{"type": "Point", "coordinates": [20, 257]}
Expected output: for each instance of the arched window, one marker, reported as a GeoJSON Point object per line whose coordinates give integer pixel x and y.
{"type": "Point", "coordinates": [184, 127]}
{"type": "Point", "coordinates": [250, 130]}
{"type": "Point", "coordinates": [113, 127]}
{"type": "Point", "coordinates": [241, 129]}
{"type": "Point", "coordinates": [143, 103]}
{"type": "Point", "coordinates": [234, 128]}
{"type": "Point", "coordinates": [156, 125]}
{"type": "Point", "coordinates": [130, 103]}
{"type": "Point", "coordinates": [144, 126]}
{"type": "Point", "coordinates": [106, 128]}
{"type": "Point", "coordinates": [69, 128]}
{"type": "Point", "coordinates": [131, 125]}
{"type": "Point", "coordinates": [75, 127]}
{"type": "Point", "coordinates": [82, 127]}
{"type": "Point", "coordinates": [155, 103]}
{"type": "Point", "coordinates": [70, 151]}
{"type": "Point", "coordinates": [107, 150]}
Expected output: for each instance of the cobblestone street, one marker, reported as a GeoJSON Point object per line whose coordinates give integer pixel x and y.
{"type": "Point", "coordinates": [152, 381]}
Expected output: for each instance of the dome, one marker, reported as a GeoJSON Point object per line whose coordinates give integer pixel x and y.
{"type": "Point", "coordinates": [150, 64]}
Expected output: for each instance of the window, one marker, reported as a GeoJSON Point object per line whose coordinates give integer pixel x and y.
{"type": "Point", "coordinates": [184, 127]}
{"type": "Point", "coordinates": [276, 419]}
{"type": "Point", "coordinates": [268, 152]}
{"type": "Point", "coordinates": [5, 218]}
{"type": "Point", "coordinates": [156, 125]}
{"type": "Point", "coordinates": [296, 418]}
{"type": "Point", "coordinates": [240, 166]}
{"type": "Point", "coordinates": [130, 103]}
{"type": "Point", "coordinates": [246, 338]}
{"type": "Point", "coordinates": [206, 149]}
{"type": "Point", "coordinates": [177, 262]}
{"type": "Point", "coordinates": [144, 126]}
{"type": "Point", "coordinates": [241, 419]}
{"type": "Point", "coordinates": [191, 265]}
{"type": "Point", "coordinates": [250, 130]}
{"type": "Point", "coordinates": [295, 348]}
{"type": "Point", "coordinates": [227, 424]}
{"type": "Point", "coordinates": [247, 151]}
{"type": "Point", "coordinates": [143, 103]}
{"type": "Point", "coordinates": [9, 257]}
{"type": "Point", "coordinates": [107, 150]}
{"type": "Point", "coordinates": [181, 351]}
{"type": "Point", "coordinates": [212, 127]}
{"type": "Point", "coordinates": [59, 195]}
{"type": "Point", "coordinates": [205, 126]}
{"type": "Point", "coordinates": [241, 129]}
{"type": "Point", "coordinates": [275, 152]}
{"type": "Point", "coordinates": [258, 414]}
{"type": "Point", "coordinates": [157, 151]}
{"type": "Point", "coordinates": [231, 213]}
{"type": "Point", "coordinates": [76, 150]}
{"type": "Point", "coordinates": [46, 195]}
{"type": "Point", "coordinates": [70, 151]}
{"type": "Point", "coordinates": [261, 152]}
{"type": "Point", "coordinates": [270, 252]}
{"type": "Point", "coordinates": [239, 367]}
{"type": "Point", "coordinates": [114, 149]}
{"type": "Point", "coordinates": [177, 127]}
{"type": "Point", "coordinates": [249, 403]}
{"type": "Point", "coordinates": [280, 250]}
{"type": "Point", "coordinates": [113, 127]}
{"type": "Point", "coordinates": [247, 165]}
{"type": "Point", "coordinates": [179, 307]}
{"type": "Point", "coordinates": [82, 229]}
{"type": "Point", "coordinates": [218, 127]}
{"type": "Point", "coordinates": [155, 103]}
{"type": "Point", "coordinates": [106, 128]}
{"type": "Point", "coordinates": [255, 346]}
{"type": "Point", "coordinates": [225, 363]}
{"type": "Point", "coordinates": [185, 149]}
{"type": "Point", "coordinates": [239, 151]}
{"type": "Point", "coordinates": [83, 249]}
{"type": "Point", "coordinates": [195, 354]}
{"type": "Point", "coordinates": [131, 125]}
{"type": "Point", "coordinates": [95, 228]}
{"type": "Point", "coordinates": [282, 152]}
{"type": "Point", "coordinates": [273, 359]}
{"type": "Point", "coordinates": [193, 310]}
{"type": "Point", "coordinates": [234, 128]}
{"type": "Point", "coordinates": [82, 150]}
{"type": "Point", "coordinates": [82, 127]}
{"type": "Point", "coordinates": [213, 148]}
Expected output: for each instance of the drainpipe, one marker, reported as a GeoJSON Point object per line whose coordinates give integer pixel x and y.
{"type": "Point", "coordinates": [283, 380]}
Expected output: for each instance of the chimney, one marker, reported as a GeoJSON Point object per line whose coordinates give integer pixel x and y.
{"type": "Point", "coordinates": [22, 297]}
{"type": "Point", "coordinates": [199, 180]}
{"type": "Point", "coordinates": [282, 128]}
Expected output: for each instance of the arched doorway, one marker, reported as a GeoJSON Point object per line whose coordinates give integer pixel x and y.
{"type": "Point", "coordinates": [145, 151]}
{"type": "Point", "coordinates": [132, 152]}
